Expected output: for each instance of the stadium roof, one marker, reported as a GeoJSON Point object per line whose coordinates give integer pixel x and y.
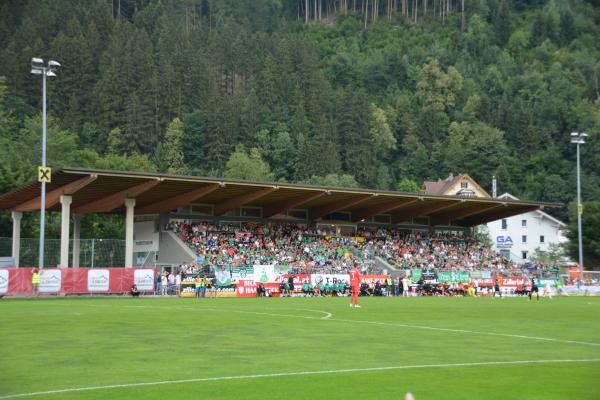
{"type": "Point", "coordinates": [104, 191]}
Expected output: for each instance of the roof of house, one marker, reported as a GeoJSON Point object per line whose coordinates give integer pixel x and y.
{"type": "Point", "coordinates": [441, 186]}
{"type": "Point", "coordinates": [543, 214]}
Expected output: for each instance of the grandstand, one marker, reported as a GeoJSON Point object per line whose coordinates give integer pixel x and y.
{"type": "Point", "coordinates": [156, 206]}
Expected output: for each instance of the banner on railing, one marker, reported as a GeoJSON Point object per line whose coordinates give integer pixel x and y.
{"type": "Point", "coordinates": [17, 281]}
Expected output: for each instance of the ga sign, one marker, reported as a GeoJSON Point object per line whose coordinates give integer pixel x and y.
{"type": "Point", "coordinates": [504, 241]}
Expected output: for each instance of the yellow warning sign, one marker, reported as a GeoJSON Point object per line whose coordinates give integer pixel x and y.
{"type": "Point", "coordinates": [44, 174]}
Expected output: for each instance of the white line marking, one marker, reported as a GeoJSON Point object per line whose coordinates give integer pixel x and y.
{"type": "Point", "coordinates": [328, 315]}
{"type": "Point", "coordinates": [392, 324]}
{"type": "Point", "coordinates": [299, 373]}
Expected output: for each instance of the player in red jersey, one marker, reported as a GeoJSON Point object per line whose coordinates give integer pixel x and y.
{"type": "Point", "coordinates": [355, 284]}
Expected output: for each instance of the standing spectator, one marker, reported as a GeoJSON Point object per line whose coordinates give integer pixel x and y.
{"type": "Point", "coordinates": [158, 284]}
{"type": "Point", "coordinates": [389, 284]}
{"type": "Point", "coordinates": [171, 280]}
{"type": "Point", "coordinates": [197, 285]}
{"type": "Point", "coordinates": [164, 283]}
{"type": "Point", "coordinates": [405, 286]}
{"type": "Point", "coordinates": [35, 281]}
{"type": "Point", "coordinates": [178, 283]}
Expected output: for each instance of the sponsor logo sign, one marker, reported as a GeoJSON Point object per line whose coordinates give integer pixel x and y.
{"type": "Point", "coordinates": [513, 281]}
{"type": "Point", "coordinates": [329, 279]}
{"type": "Point", "coordinates": [3, 281]}
{"type": "Point", "coordinates": [504, 241]}
{"type": "Point", "coordinates": [246, 288]}
{"type": "Point", "coordinates": [144, 279]}
{"type": "Point", "coordinates": [50, 280]}
{"type": "Point", "coordinates": [98, 280]}
{"type": "Point", "coordinates": [482, 282]}
{"type": "Point", "coordinates": [453, 277]}
{"type": "Point", "coordinates": [373, 279]}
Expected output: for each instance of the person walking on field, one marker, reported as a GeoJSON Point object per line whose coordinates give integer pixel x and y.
{"type": "Point", "coordinates": [355, 284]}
{"type": "Point", "coordinates": [35, 281]}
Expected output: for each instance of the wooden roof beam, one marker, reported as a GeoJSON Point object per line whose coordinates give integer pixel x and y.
{"type": "Point", "coordinates": [53, 197]}
{"type": "Point", "coordinates": [239, 201]}
{"type": "Point", "coordinates": [448, 217]}
{"type": "Point", "coordinates": [423, 210]}
{"type": "Point", "coordinates": [278, 208]}
{"type": "Point", "coordinates": [110, 202]}
{"type": "Point", "coordinates": [177, 201]}
{"type": "Point", "coordinates": [369, 212]}
{"type": "Point", "coordinates": [318, 212]}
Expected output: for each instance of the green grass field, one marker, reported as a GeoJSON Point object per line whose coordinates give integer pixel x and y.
{"type": "Point", "coordinates": [438, 348]}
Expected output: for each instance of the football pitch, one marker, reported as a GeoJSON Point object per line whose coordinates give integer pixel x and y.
{"type": "Point", "coordinates": [300, 348]}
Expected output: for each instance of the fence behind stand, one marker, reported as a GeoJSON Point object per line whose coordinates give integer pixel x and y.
{"type": "Point", "coordinates": [17, 281]}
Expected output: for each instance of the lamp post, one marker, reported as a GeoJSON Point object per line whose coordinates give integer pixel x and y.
{"type": "Point", "coordinates": [39, 68]}
{"type": "Point", "coordinates": [579, 138]}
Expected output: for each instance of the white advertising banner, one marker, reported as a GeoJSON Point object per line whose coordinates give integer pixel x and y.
{"type": "Point", "coordinates": [3, 281]}
{"type": "Point", "coordinates": [329, 279]}
{"type": "Point", "coordinates": [98, 280]}
{"type": "Point", "coordinates": [144, 279]}
{"type": "Point", "coordinates": [50, 280]}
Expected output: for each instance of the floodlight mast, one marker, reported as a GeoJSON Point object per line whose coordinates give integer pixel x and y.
{"type": "Point", "coordinates": [578, 139]}
{"type": "Point", "coordinates": [39, 68]}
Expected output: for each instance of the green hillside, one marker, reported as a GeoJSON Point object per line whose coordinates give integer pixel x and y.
{"type": "Point", "coordinates": [380, 94]}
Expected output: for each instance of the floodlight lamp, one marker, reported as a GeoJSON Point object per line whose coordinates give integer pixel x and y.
{"type": "Point", "coordinates": [50, 73]}
{"type": "Point", "coordinates": [36, 71]}
{"type": "Point", "coordinates": [37, 60]}
{"type": "Point", "coordinates": [583, 134]}
{"type": "Point", "coordinates": [53, 63]}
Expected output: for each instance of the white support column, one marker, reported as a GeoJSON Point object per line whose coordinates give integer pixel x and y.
{"type": "Point", "coordinates": [129, 206]}
{"type": "Point", "coordinates": [76, 239]}
{"type": "Point", "coordinates": [16, 237]}
{"type": "Point", "coordinates": [65, 216]}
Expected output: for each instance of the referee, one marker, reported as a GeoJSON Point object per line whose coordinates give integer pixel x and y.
{"type": "Point", "coordinates": [534, 288]}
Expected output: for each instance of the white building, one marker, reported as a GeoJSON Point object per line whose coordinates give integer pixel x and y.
{"type": "Point", "coordinates": [519, 236]}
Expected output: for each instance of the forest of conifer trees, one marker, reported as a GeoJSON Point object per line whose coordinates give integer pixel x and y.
{"type": "Point", "coordinates": [371, 93]}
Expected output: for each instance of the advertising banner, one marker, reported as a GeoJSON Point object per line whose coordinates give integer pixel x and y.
{"type": "Point", "coordinates": [98, 280]}
{"type": "Point", "coordinates": [329, 279]}
{"type": "Point", "coordinates": [373, 279]}
{"type": "Point", "coordinates": [3, 281]}
{"type": "Point", "coordinates": [513, 281]}
{"type": "Point", "coordinates": [481, 282]}
{"type": "Point", "coordinates": [76, 280]}
{"type": "Point", "coordinates": [555, 283]}
{"type": "Point", "coordinates": [453, 277]}
{"type": "Point", "coordinates": [481, 274]}
{"type": "Point", "coordinates": [50, 281]}
{"type": "Point", "coordinates": [144, 279]}
{"type": "Point", "coordinates": [299, 280]}
{"type": "Point", "coordinates": [246, 288]}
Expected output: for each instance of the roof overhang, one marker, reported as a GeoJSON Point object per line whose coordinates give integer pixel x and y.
{"type": "Point", "coordinates": [104, 191]}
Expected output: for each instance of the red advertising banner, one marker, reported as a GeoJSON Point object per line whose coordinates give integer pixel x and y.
{"type": "Point", "coordinates": [373, 279]}
{"type": "Point", "coordinates": [513, 281]}
{"type": "Point", "coordinates": [17, 281]}
{"type": "Point", "coordinates": [246, 288]}
{"type": "Point", "coordinates": [299, 280]}
{"type": "Point", "coordinates": [482, 282]}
